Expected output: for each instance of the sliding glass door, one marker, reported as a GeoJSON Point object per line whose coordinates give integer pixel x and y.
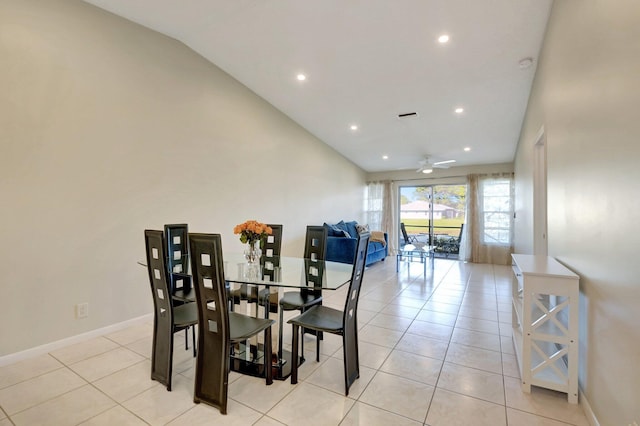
{"type": "Point", "coordinates": [432, 213]}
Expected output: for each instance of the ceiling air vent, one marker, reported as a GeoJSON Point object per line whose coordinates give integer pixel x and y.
{"type": "Point", "coordinates": [407, 115]}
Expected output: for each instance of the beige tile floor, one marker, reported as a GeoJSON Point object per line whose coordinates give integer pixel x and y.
{"type": "Point", "coordinates": [434, 350]}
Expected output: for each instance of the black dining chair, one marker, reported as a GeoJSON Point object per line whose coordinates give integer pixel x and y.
{"type": "Point", "coordinates": [344, 323]}
{"type": "Point", "coordinates": [219, 328]}
{"type": "Point", "coordinates": [269, 262]}
{"type": "Point", "coordinates": [177, 240]}
{"type": "Point", "coordinates": [315, 249]}
{"type": "Point", "coordinates": [168, 319]}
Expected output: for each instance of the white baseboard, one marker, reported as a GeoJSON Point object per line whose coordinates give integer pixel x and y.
{"type": "Point", "coordinates": [40, 350]}
{"type": "Point", "coordinates": [588, 412]}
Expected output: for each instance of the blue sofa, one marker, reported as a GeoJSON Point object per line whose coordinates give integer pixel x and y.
{"type": "Point", "coordinates": [342, 242]}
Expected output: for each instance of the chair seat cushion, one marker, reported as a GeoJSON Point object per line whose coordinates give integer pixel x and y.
{"type": "Point", "coordinates": [186, 314]}
{"type": "Point", "coordinates": [242, 327]}
{"type": "Point", "coordinates": [321, 318]}
{"type": "Point", "coordinates": [292, 300]}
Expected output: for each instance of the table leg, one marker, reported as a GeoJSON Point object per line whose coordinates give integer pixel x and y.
{"type": "Point", "coordinates": [424, 265]}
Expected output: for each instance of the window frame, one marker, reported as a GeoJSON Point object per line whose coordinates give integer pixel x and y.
{"type": "Point", "coordinates": [508, 213]}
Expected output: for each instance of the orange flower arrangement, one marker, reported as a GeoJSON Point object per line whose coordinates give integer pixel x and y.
{"type": "Point", "coordinates": [252, 231]}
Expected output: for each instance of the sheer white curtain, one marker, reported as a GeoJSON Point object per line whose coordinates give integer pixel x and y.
{"type": "Point", "coordinates": [378, 207]}
{"type": "Point", "coordinates": [489, 223]}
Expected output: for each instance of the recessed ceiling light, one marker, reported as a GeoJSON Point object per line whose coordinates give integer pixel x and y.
{"type": "Point", "coordinates": [443, 38]}
{"type": "Point", "coordinates": [385, 157]}
{"type": "Point", "coordinates": [301, 77]}
{"type": "Point", "coordinates": [354, 127]}
{"type": "Point", "coordinates": [467, 149]}
{"type": "Point", "coordinates": [459, 110]}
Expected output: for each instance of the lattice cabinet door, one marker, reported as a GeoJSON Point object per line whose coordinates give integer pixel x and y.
{"type": "Point", "coordinates": [545, 324]}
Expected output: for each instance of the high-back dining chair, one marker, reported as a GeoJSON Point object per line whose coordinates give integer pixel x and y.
{"type": "Point", "coordinates": [315, 249]}
{"type": "Point", "coordinates": [344, 323]}
{"type": "Point", "coordinates": [273, 243]}
{"type": "Point", "coordinates": [218, 327]}
{"type": "Point", "coordinates": [176, 238]}
{"type": "Point", "coordinates": [176, 241]}
{"type": "Point", "coordinates": [269, 261]}
{"type": "Point", "coordinates": [168, 319]}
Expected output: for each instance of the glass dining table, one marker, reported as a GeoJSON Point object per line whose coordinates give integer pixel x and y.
{"type": "Point", "coordinates": [276, 274]}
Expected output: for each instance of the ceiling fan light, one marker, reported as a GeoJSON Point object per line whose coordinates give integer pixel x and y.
{"type": "Point", "coordinates": [427, 170]}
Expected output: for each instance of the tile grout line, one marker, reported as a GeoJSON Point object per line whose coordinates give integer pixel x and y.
{"type": "Point", "coordinates": [444, 359]}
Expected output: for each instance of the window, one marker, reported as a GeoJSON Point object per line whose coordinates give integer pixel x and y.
{"type": "Point", "coordinates": [496, 211]}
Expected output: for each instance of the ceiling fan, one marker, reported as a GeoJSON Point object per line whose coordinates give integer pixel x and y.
{"type": "Point", "coordinates": [427, 165]}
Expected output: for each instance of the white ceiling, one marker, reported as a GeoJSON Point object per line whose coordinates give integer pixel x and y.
{"type": "Point", "coordinates": [367, 61]}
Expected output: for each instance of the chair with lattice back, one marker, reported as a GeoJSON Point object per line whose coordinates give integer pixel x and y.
{"type": "Point", "coordinates": [269, 262]}
{"type": "Point", "coordinates": [176, 238]}
{"type": "Point", "coordinates": [176, 241]}
{"type": "Point", "coordinates": [315, 249]}
{"type": "Point", "coordinates": [168, 319]}
{"type": "Point", "coordinates": [329, 320]}
{"type": "Point", "coordinates": [219, 328]}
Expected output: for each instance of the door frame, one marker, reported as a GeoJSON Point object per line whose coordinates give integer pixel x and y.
{"type": "Point", "coordinates": [540, 243]}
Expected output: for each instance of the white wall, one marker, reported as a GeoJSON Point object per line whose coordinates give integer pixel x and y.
{"type": "Point", "coordinates": [108, 128]}
{"type": "Point", "coordinates": [586, 94]}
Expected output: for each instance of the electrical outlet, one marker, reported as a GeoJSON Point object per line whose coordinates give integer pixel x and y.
{"type": "Point", "coordinates": [82, 310]}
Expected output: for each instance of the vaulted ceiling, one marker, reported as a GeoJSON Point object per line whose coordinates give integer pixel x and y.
{"type": "Point", "coordinates": [368, 61]}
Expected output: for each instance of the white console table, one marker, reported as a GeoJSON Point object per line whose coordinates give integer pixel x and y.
{"type": "Point", "coordinates": [545, 324]}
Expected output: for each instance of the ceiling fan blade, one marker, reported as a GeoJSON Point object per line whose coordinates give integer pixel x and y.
{"type": "Point", "coordinates": [427, 166]}
{"type": "Point", "coordinates": [440, 163]}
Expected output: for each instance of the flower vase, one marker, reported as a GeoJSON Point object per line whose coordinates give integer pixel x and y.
{"type": "Point", "coordinates": [252, 255]}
